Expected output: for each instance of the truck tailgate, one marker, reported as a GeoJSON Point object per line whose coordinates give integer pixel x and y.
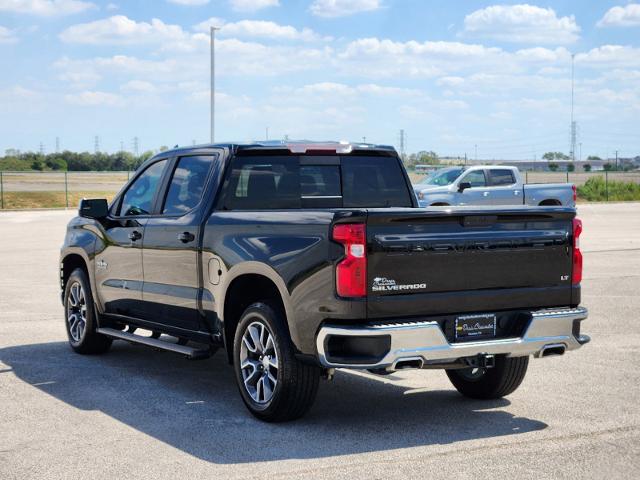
{"type": "Point", "coordinates": [439, 261]}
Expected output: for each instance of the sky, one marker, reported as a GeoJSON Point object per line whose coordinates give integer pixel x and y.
{"type": "Point", "coordinates": [486, 79]}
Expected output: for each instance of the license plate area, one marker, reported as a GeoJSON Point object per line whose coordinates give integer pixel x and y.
{"type": "Point", "coordinates": [475, 327]}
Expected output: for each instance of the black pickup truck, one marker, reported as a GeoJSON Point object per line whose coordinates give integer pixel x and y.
{"type": "Point", "coordinates": [300, 258]}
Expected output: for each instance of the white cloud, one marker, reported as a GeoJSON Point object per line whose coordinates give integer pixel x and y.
{"type": "Point", "coordinates": [206, 25]}
{"type": "Point", "coordinates": [90, 98]}
{"type": "Point", "coordinates": [341, 8]}
{"type": "Point", "coordinates": [627, 16]}
{"type": "Point", "coordinates": [258, 28]}
{"type": "Point", "coordinates": [252, 5]}
{"type": "Point", "coordinates": [189, 3]}
{"type": "Point", "coordinates": [385, 58]}
{"type": "Point", "coordinates": [45, 7]}
{"type": "Point", "coordinates": [7, 36]}
{"type": "Point", "coordinates": [521, 24]}
{"type": "Point", "coordinates": [322, 90]}
{"type": "Point", "coordinates": [80, 79]}
{"type": "Point", "coordinates": [608, 56]}
{"type": "Point", "coordinates": [121, 30]}
{"type": "Point", "coordinates": [86, 73]}
{"type": "Point", "coordinates": [139, 86]}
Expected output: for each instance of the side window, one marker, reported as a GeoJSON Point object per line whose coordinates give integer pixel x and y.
{"type": "Point", "coordinates": [138, 199]}
{"type": "Point", "coordinates": [187, 184]}
{"type": "Point", "coordinates": [475, 178]}
{"type": "Point", "coordinates": [266, 182]}
{"type": "Point", "coordinates": [501, 177]}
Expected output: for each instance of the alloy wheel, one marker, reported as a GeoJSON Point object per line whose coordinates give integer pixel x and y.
{"type": "Point", "coordinates": [76, 312]}
{"type": "Point", "coordinates": [259, 362]}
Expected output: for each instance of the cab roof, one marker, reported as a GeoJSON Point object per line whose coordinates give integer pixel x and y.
{"type": "Point", "coordinates": [294, 146]}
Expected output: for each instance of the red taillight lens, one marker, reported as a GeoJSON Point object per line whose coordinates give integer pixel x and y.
{"type": "Point", "coordinates": [351, 273]}
{"type": "Point", "coordinates": [577, 254]}
{"type": "Point", "coordinates": [575, 192]}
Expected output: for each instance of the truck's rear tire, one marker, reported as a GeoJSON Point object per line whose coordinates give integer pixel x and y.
{"type": "Point", "coordinates": [274, 385]}
{"type": "Point", "coordinates": [81, 317]}
{"type": "Point", "coordinates": [491, 383]}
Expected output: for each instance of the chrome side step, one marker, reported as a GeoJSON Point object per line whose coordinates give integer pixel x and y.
{"type": "Point", "coordinates": [190, 352]}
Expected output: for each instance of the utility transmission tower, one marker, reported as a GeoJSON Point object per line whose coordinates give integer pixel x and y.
{"type": "Point", "coordinates": [57, 144]}
{"type": "Point", "coordinates": [96, 144]}
{"type": "Point", "coordinates": [41, 148]}
{"type": "Point", "coordinates": [136, 146]}
{"type": "Point", "coordinates": [573, 123]}
{"type": "Point", "coordinates": [402, 143]}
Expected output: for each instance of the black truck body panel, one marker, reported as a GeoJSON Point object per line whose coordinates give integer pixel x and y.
{"type": "Point", "coordinates": [461, 259]}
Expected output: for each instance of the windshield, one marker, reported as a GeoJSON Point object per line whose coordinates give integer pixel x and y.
{"type": "Point", "coordinates": [445, 176]}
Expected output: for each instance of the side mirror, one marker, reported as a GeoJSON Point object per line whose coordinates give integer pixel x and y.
{"type": "Point", "coordinates": [462, 186]}
{"type": "Point", "coordinates": [96, 208]}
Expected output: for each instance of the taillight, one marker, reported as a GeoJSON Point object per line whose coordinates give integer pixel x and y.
{"type": "Point", "coordinates": [575, 192]}
{"type": "Point", "coordinates": [577, 254]}
{"type": "Point", "coordinates": [351, 273]}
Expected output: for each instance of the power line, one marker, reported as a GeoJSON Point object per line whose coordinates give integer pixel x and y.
{"type": "Point", "coordinates": [573, 123]}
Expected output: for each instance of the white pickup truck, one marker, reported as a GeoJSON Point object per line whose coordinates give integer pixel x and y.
{"type": "Point", "coordinates": [489, 185]}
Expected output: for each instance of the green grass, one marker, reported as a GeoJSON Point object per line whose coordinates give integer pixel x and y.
{"type": "Point", "coordinates": [19, 200]}
{"type": "Point", "coordinates": [595, 190]}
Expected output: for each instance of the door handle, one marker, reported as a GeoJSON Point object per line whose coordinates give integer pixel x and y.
{"type": "Point", "coordinates": [186, 237]}
{"type": "Point", "coordinates": [485, 194]}
{"type": "Point", "coordinates": [135, 235]}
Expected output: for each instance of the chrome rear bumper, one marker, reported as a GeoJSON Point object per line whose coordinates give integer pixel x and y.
{"type": "Point", "coordinates": [425, 342]}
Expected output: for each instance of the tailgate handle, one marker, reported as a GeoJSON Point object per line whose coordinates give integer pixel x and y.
{"type": "Point", "coordinates": [479, 221]}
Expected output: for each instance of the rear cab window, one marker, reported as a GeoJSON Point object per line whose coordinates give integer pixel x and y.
{"type": "Point", "coordinates": [264, 182]}
{"type": "Point", "coordinates": [501, 177]}
{"type": "Point", "coordinates": [187, 184]}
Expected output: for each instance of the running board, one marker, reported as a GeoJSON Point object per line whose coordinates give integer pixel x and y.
{"type": "Point", "coordinates": [190, 352]}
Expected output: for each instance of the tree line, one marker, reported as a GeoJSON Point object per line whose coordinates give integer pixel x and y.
{"type": "Point", "coordinates": [72, 161]}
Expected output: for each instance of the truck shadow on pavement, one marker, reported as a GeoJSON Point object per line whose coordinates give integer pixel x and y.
{"type": "Point", "coordinates": [195, 406]}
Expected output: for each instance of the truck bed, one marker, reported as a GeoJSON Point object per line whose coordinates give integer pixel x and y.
{"type": "Point", "coordinates": [466, 259]}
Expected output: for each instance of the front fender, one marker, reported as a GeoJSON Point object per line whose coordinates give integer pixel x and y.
{"type": "Point", "coordinates": [80, 240]}
{"type": "Point", "coordinates": [437, 197]}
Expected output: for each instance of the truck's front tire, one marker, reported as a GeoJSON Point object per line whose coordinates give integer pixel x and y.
{"type": "Point", "coordinates": [501, 380]}
{"type": "Point", "coordinates": [80, 316]}
{"type": "Point", "coordinates": [274, 385]}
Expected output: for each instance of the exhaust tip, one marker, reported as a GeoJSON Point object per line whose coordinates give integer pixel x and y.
{"type": "Point", "coordinates": [551, 350]}
{"type": "Point", "coordinates": [408, 363]}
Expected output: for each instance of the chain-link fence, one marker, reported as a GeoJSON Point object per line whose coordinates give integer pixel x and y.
{"type": "Point", "coordinates": [65, 189]}
{"type": "Point", "coordinates": [580, 178]}
{"type": "Point", "coordinates": [57, 189]}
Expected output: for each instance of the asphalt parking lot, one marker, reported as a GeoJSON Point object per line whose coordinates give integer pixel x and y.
{"type": "Point", "coordinates": [138, 413]}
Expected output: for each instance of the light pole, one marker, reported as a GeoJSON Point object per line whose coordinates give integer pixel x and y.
{"type": "Point", "coordinates": [213, 81]}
